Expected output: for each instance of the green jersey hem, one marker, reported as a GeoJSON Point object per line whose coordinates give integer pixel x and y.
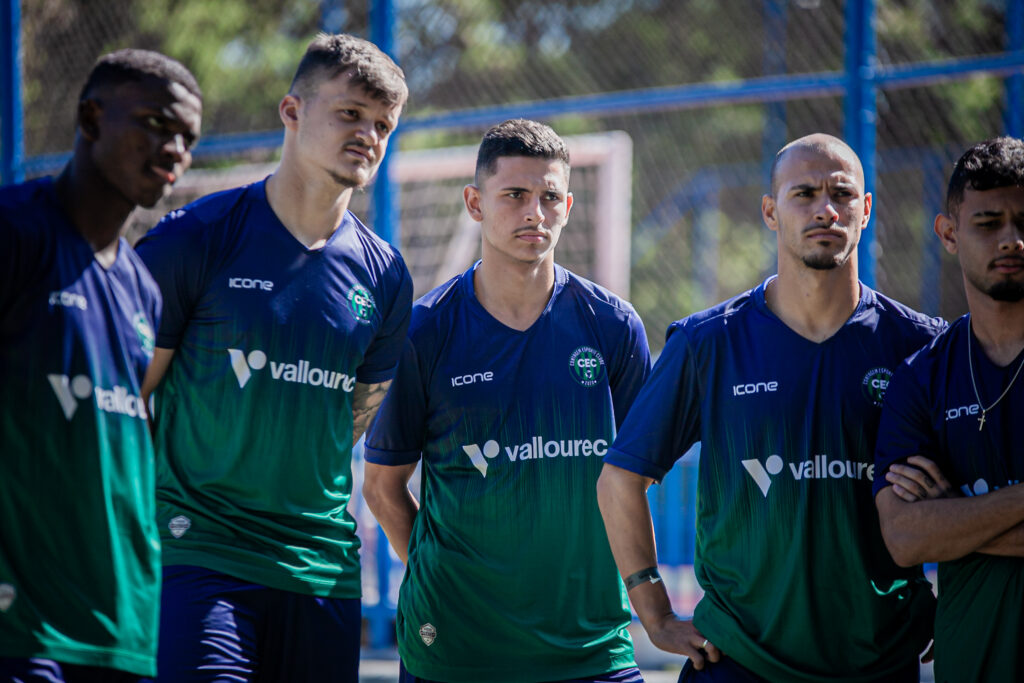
{"type": "Point", "coordinates": [343, 586]}
{"type": "Point", "coordinates": [555, 671]}
{"type": "Point", "coordinates": [103, 657]}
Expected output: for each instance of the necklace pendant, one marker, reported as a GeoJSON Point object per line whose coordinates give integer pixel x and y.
{"type": "Point", "coordinates": [981, 421]}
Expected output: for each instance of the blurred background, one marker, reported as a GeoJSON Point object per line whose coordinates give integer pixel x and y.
{"type": "Point", "coordinates": [675, 110]}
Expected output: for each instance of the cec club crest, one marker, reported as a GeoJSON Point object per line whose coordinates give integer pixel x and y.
{"type": "Point", "coordinates": [7, 595]}
{"type": "Point", "coordinates": [428, 633]}
{"type": "Point", "coordinates": [874, 384]}
{"type": "Point", "coordinates": [179, 525]}
{"type": "Point", "coordinates": [362, 304]}
{"type": "Point", "coordinates": [586, 365]}
{"type": "Point", "coordinates": [144, 331]}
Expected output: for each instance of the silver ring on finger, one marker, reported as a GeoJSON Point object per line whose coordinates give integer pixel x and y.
{"type": "Point", "coordinates": [704, 644]}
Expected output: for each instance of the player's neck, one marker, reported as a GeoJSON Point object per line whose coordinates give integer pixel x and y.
{"type": "Point", "coordinates": [310, 209]}
{"type": "Point", "coordinates": [814, 303]}
{"type": "Point", "coordinates": [95, 210]}
{"type": "Point", "coordinates": [998, 326]}
{"type": "Point", "coordinates": [514, 293]}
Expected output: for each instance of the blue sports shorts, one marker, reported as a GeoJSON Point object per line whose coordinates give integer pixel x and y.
{"type": "Point", "coordinates": [214, 627]}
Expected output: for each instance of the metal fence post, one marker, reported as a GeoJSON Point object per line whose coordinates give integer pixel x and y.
{"type": "Point", "coordinates": [12, 139]}
{"type": "Point", "coordinates": [385, 203]}
{"type": "Point", "coordinates": [861, 110]}
{"type": "Point", "coordinates": [1013, 116]}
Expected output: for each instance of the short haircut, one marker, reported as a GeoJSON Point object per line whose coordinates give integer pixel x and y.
{"type": "Point", "coordinates": [988, 165]}
{"type": "Point", "coordinates": [330, 55]}
{"type": "Point", "coordinates": [137, 65]}
{"type": "Point", "coordinates": [819, 142]}
{"type": "Point", "coordinates": [519, 138]}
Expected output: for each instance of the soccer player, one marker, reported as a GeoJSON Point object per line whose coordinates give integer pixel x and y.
{"type": "Point", "coordinates": [782, 386]}
{"type": "Point", "coordinates": [511, 387]}
{"type": "Point", "coordinates": [952, 413]}
{"type": "Point", "coordinates": [284, 318]}
{"type": "Point", "coordinates": [79, 550]}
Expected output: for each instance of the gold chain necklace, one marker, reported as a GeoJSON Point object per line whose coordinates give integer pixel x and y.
{"type": "Point", "coordinates": [974, 385]}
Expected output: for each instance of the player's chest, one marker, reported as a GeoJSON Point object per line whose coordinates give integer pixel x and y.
{"type": "Point", "coordinates": [983, 448]}
{"type": "Point", "coordinates": [262, 292]}
{"type": "Point", "coordinates": [554, 369]}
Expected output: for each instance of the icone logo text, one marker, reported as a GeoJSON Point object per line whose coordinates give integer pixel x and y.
{"type": "Point", "coordinates": [463, 380]}
{"type": "Point", "coordinates": [962, 411]}
{"type": "Point", "coordinates": [250, 283]}
{"type": "Point", "coordinates": [754, 388]}
{"type": "Point", "coordinates": [300, 372]}
{"type": "Point", "coordinates": [68, 300]}
{"type": "Point", "coordinates": [537, 448]}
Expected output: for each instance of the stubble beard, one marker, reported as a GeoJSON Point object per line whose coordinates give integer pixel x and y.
{"type": "Point", "coordinates": [1007, 291]}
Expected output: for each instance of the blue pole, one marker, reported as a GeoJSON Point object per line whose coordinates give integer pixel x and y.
{"type": "Point", "coordinates": [934, 175]}
{"type": "Point", "coordinates": [385, 190]}
{"type": "Point", "coordinates": [774, 60]}
{"type": "Point", "coordinates": [861, 110]}
{"type": "Point", "coordinates": [385, 203]}
{"type": "Point", "coordinates": [1013, 117]}
{"type": "Point", "coordinates": [12, 139]}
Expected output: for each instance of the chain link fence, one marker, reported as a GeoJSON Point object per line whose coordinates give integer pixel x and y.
{"type": "Point", "coordinates": [698, 171]}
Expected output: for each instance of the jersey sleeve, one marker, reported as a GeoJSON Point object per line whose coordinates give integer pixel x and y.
{"type": "Point", "coordinates": [173, 253]}
{"type": "Point", "coordinates": [905, 428]}
{"type": "Point", "coordinates": [383, 355]}
{"type": "Point", "coordinates": [664, 421]}
{"type": "Point", "coordinates": [396, 434]}
{"type": "Point", "coordinates": [632, 368]}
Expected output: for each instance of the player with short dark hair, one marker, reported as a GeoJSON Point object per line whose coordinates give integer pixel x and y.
{"type": "Point", "coordinates": [515, 378]}
{"type": "Point", "coordinates": [782, 386]}
{"type": "Point", "coordinates": [948, 443]}
{"type": "Point", "coordinates": [79, 550]}
{"type": "Point", "coordinates": [284, 318]}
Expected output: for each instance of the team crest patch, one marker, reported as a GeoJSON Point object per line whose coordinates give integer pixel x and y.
{"type": "Point", "coordinates": [179, 525]}
{"type": "Point", "coordinates": [428, 633]}
{"type": "Point", "coordinates": [875, 383]}
{"type": "Point", "coordinates": [362, 304]}
{"type": "Point", "coordinates": [144, 331]}
{"type": "Point", "coordinates": [7, 595]}
{"type": "Point", "coordinates": [586, 365]}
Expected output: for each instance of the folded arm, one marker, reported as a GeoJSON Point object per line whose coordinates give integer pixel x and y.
{"type": "Point", "coordinates": [923, 521]}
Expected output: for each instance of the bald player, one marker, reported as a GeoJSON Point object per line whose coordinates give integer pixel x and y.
{"type": "Point", "coordinates": [782, 386]}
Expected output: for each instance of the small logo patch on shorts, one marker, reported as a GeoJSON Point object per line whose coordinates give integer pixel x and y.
{"type": "Point", "coordinates": [179, 525]}
{"type": "Point", "coordinates": [428, 633]}
{"type": "Point", "coordinates": [7, 595]}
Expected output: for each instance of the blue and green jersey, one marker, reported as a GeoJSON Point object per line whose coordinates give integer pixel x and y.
{"type": "Point", "coordinates": [510, 576]}
{"type": "Point", "coordinates": [79, 550]}
{"type": "Point", "coordinates": [798, 583]}
{"type": "Point", "coordinates": [254, 416]}
{"type": "Point", "coordinates": [931, 410]}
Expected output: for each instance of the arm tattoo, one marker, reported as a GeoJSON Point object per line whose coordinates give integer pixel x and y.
{"type": "Point", "coordinates": [366, 399]}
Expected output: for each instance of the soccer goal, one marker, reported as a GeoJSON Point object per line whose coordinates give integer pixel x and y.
{"type": "Point", "coordinates": [439, 240]}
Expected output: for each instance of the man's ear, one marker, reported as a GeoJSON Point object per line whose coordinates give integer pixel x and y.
{"type": "Point", "coordinates": [288, 110]}
{"type": "Point", "coordinates": [768, 212]}
{"type": "Point", "coordinates": [945, 228]}
{"type": "Point", "coordinates": [471, 196]}
{"type": "Point", "coordinates": [88, 117]}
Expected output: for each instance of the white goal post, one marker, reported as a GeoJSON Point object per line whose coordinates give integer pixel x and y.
{"type": "Point", "coordinates": [439, 240]}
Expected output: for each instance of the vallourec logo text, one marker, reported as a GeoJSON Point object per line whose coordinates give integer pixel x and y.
{"type": "Point", "coordinates": [537, 448]}
{"type": "Point", "coordinates": [818, 467]}
{"type": "Point", "coordinates": [299, 372]}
